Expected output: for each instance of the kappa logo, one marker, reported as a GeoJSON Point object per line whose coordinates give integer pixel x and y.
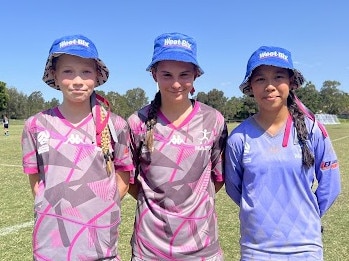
{"type": "Point", "coordinates": [176, 140]}
{"type": "Point", "coordinates": [43, 138]}
{"type": "Point", "coordinates": [74, 139]}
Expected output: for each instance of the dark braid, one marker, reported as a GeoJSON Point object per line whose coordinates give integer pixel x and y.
{"type": "Point", "coordinates": [302, 132]}
{"type": "Point", "coordinates": [151, 121]}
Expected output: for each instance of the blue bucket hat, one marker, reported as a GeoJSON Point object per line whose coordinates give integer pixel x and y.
{"type": "Point", "coordinates": [77, 45]}
{"type": "Point", "coordinates": [274, 56]}
{"type": "Point", "coordinates": [175, 47]}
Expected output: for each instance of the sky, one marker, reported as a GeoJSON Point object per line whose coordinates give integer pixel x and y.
{"type": "Point", "coordinates": [227, 33]}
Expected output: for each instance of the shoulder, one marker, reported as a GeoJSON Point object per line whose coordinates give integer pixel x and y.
{"type": "Point", "coordinates": [206, 109]}
{"type": "Point", "coordinates": [138, 117]}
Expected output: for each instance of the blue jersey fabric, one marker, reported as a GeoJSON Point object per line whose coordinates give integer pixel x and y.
{"type": "Point", "coordinates": [281, 201]}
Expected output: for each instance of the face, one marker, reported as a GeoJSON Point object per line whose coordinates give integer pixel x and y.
{"type": "Point", "coordinates": [76, 77]}
{"type": "Point", "coordinates": [270, 87]}
{"type": "Point", "coordinates": [175, 80]}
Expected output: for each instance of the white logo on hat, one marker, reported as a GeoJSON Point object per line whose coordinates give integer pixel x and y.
{"type": "Point", "coordinates": [73, 42]}
{"type": "Point", "coordinates": [273, 54]}
{"type": "Point", "coordinates": [178, 42]}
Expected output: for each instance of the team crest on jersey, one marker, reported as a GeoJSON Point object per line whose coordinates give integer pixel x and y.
{"type": "Point", "coordinates": [42, 138]}
{"type": "Point", "coordinates": [203, 141]}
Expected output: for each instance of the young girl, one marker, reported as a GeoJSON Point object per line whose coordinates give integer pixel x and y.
{"type": "Point", "coordinates": [77, 158]}
{"type": "Point", "coordinates": [178, 145]}
{"type": "Point", "coordinates": [273, 161]}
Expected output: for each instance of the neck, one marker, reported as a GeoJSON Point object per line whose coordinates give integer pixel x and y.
{"type": "Point", "coordinates": [75, 112]}
{"type": "Point", "coordinates": [176, 113]}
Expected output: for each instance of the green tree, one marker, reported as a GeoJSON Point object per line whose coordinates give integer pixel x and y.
{"type": "Point", "coordinates": [232, 108]}
{"type": "Point", "coordinates": [217, 100]}
{"type": "Point", "coordinates": [136, 99]}
{"type": "Point", "coordinates": [36, 102]}
{"type": "Point", "coordinates": [331, 97]}
{"type": "Point", "coordinates": [202, 97]}
{"type": "Point", "coordinates": [310, 97]}
{"type": "Point", "coordinates": [4, 97]}
{"type": "Point", "coordinates": [118, 104]}
{"type": "Point", "coordinates": [17, 104]}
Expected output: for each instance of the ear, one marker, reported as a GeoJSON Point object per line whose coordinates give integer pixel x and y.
{"type": "Point", "coordinates": [293, 84]}
{"type": "Point", "coordinates": [154, 76]}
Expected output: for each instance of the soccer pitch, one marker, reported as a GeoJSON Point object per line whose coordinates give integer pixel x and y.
{"type": "Point", "coordinates": [16, 206]}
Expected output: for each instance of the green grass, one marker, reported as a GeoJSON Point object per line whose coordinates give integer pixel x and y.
{"type": "Point", "coordinates": [16, 206]}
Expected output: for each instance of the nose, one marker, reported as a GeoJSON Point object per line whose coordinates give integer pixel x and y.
{"type": "Point", "coordinates": [77, 80]}
{"type": "Point", "coordinates": [176, 84]}
{"type": "Point", "coordinates": [270, 87]}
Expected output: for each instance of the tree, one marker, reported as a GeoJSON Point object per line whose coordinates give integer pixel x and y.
{"type": "Point", "coordinates": [3, 96]}
{"type": "Point", "coordinates": [217, 100]}
{"type": "Point", "coordinates": [202, 97]}
{"type": "Point", "coordinates": [118, 104]}
{"type": "Point", "coordinates": [17, 104]}
{"type": "Point", "coordinates": [136, 99]}
{"type": "Point", "coordinates": [232, 108]}
{"type": "Point", "coordinates": [310, 97]}
{"type": "Point", "coordinates": [331, 97]}
{"type": "Point", "coordinates": [35, 102]}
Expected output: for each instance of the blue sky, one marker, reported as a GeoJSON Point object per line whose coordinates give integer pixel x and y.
{"type": "Point", "coordinates": [227, 32]}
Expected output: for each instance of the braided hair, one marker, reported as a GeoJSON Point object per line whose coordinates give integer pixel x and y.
{"type": "Point", "coordinates": [152, 120]}
{"type": "Point", "coordinates": [302, 132]}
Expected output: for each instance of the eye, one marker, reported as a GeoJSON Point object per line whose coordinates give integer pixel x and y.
{"type": "Point", "coordinates": [67, 71]}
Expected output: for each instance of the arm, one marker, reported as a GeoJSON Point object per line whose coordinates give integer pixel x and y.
{"type": "Point", "coordinates": [134, 189]}
{"type": "Point", "coordinates": [327, 174]}
{"type": "Point", "coordinates": [217, 157]}
{"type": "Point", "coordinates": [122, 179]}
{"type": "Point", "coordinates": [34, 183]}
{"type": "Point", "coordinates": [218, 185]}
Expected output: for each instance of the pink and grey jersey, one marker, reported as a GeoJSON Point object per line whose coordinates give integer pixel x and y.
{"type": "Point", "coordinates": [175, 216]}
{"type": "Point", "coordinates": [280, 203]}
{"type": "Point", "coordinates": [77, 207]}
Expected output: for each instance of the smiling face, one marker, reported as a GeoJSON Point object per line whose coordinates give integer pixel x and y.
{"type": "Point", "coordinates": [175, 80]}
{"type": "Point", "coordinates": [270, 87]}
{"type": "Point", "coordinates": [76, 78]}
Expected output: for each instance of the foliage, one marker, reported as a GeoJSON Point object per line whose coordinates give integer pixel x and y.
{"type": "Point", "coordinates": [3, 96]}
{"type": "Point", "coordinates": [330, 100]}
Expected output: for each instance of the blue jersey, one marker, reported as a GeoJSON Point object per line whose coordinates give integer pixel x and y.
{"type": "Point", "coordinates": [281, 201]}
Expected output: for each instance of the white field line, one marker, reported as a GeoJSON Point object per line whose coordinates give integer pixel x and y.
{"type": "Point", "coordinates": [9, 165]}
{"type": "Point", "coordinates": [342, 138]}
{"type": "Point", "coordinates": [9, 230]}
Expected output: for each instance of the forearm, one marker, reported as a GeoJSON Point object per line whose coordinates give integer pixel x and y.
{"type": "Point", "coordinates": [34, 183]}
{"type": "Point", "coordinates": [123, 178]}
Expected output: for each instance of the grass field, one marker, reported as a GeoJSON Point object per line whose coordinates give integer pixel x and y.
{"type": "Point", "coordinates": [16, 214]}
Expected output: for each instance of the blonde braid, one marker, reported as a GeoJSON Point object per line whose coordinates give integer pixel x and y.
{"type": "Point", "coordinates": [105, 143]}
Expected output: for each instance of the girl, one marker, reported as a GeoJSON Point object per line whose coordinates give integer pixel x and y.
{"type": "Point", "coordinates": [177, 146]}
{"type": "Point", "coordinates": [273, 160]}
{"type": "Point", "coordinates": [77, 158]}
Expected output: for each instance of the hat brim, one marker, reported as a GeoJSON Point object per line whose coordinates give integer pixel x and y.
{"type": "Point", "coordinates": [102, 70]}
{"type": "Point", "coordinates": [245, 87]}
{"type": "Point", "coordinates": [175, 55]}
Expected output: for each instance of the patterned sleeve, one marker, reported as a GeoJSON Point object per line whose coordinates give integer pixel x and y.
{"type": "Point", "coordinates": [137, 132]}
{"type": "Point", "coordinates": [233, 166]}
{"type": "Point", "coordinates": [327, 172]}
{"type": "Point", "coordinates": [217, 155]}
{"type": "Point", "coordinates": [122, 154]}
{"type": "Point", "coordinates": [29, 148]}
